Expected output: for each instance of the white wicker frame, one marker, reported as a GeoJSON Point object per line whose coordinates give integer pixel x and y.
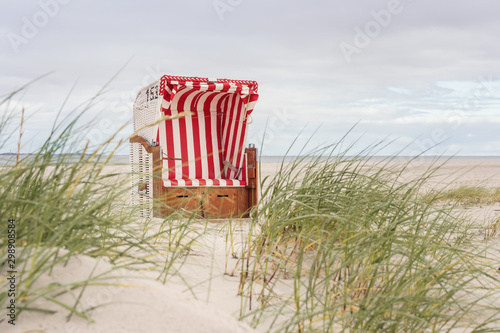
{"type": "Point", "coordinates": [146, 111]}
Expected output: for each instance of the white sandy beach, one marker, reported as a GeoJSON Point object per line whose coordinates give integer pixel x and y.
{"type": "Point", "coordinates": [206, 298]}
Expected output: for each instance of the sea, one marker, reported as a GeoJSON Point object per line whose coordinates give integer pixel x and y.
{"type": "Point", "coordinates": [10, 159]}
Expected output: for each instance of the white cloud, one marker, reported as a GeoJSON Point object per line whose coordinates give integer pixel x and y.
{"type": "Point", "coordinates": [433, 62]}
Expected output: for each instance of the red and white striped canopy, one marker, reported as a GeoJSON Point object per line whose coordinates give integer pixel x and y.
{"type": "Point", "coordinates": [199, 146]}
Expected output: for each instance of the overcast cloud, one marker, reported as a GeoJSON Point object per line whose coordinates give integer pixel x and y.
{"type": "Point", "coordinates": [418, 72]}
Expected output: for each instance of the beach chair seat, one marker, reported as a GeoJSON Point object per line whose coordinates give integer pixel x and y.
{"type": "Point", "coordinates": [203, 182]}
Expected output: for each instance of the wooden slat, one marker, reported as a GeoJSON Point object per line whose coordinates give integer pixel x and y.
{"type": "Point", "coordinates": [221, 202]}
{"type": "Point", "coordinates": [251, 162]}
{"type": "Point", "coordinates": [181, 198]}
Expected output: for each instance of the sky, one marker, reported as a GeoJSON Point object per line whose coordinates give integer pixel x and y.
{"type": "Point", "coordinates": [422, 76]}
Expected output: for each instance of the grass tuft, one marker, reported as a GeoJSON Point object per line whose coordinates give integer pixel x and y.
{"type": "Point", "coordinates": [360, 252]}
{"type": "Point", "coordinates": [66, 203]}
{"type": "Point", "coordinates": [470, 195]}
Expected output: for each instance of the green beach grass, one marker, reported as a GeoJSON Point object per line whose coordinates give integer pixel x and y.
{"type": "Point", "coordinates": [362, 253]}
{"type": "Point", "coordinates": [64, 204]}
{"type": "Point", "coordinates": [469, 195]}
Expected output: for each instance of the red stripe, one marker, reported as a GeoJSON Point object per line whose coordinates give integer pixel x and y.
{"type": "Point", "coordinates": [184, 147]}
{"type": "Point", "coordinates": [182, 100]}
{"type": "Point", "coordinates": [194, 103]}
{"type": "Point", "coordinates": [226, 86]}
{"type": "Point", "coordinates": [223, 117]}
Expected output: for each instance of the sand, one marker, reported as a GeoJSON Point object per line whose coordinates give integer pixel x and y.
{"type": "Point", "coordinates": [139, 303]}
{"type": "Point", "coordinates": [129, 303]}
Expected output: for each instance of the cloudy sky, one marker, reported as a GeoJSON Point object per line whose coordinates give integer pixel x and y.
{"type": "Point", "coordinates": [422, 73]}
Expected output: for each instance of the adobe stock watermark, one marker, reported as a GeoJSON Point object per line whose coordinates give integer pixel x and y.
{"type": "Point", "coordinates": [485, 88]}
{"type": "Point", "coordinates": [221, 7]}
{"type": "Point", "coordinates": [120, 111]}
{"type": "Point", "coordinates": [278, 121]}
{"type": "Point", "coordinates": [363, 36]}
{"type": "Point", "coordinates": [31, 26]}
{"type": "Point", "coordinates": [88, 301]}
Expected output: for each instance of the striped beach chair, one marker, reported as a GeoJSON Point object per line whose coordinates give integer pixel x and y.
{"type": "Point", "coordinates": [189, 152]}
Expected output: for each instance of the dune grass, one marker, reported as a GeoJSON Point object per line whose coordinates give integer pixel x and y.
{"type": "Point", "coordinates": [64, 204]}
{"type": "Point", "coordinates": [470, 195]}
{"type": "Point", "coordinates": [361, 253]}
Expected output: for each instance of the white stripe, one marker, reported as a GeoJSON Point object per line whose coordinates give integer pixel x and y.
{"type": "Point", "coordinates": [201, 102]}
{"type": "Point", "coordinates": [232, 88]}
{"type": "Point", "coordinates": [251, 105]}
{"type": "Point", "coordinates": [158, 115]}
{"type": "Point", "coordinates": [188, 101]}
{"type": "Point", "coordinates": [163, 143]}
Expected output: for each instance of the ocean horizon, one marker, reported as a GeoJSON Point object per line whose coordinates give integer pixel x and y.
{"type": "Point", "coordinates": [10, 159]}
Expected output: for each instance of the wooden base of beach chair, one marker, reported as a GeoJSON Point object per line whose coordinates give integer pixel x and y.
{"type": "Point", "coordinates": [207, 201]}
